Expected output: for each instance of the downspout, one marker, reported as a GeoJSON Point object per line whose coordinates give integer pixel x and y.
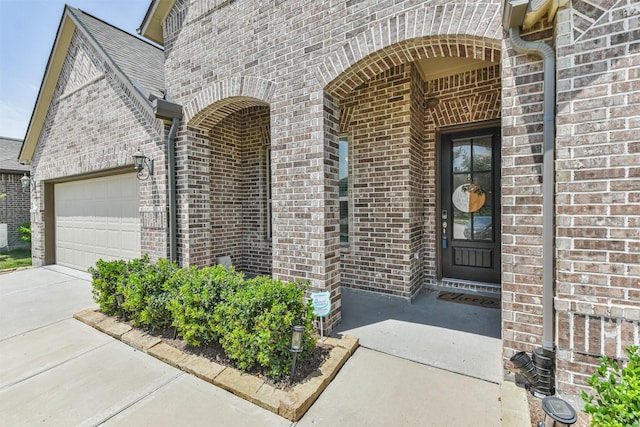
{"type": "Point", "coordinates": [171, 171]}
{"type": "Point", "coordinates": [164, 109]}
{"type": "Point", "coordinates": [548, 178]}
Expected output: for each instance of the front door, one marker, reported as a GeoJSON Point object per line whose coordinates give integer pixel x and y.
{"type": "Point", "coordinates": [470, 212]}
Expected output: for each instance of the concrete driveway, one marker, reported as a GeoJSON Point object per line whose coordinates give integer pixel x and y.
{"type": "Point", "coordinates": [57, 371]}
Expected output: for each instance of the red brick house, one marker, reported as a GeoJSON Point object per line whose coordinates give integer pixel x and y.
{"type": "Point", "coordinates": [377, 145]}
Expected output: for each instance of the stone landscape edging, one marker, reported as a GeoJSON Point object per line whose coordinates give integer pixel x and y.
{"type": "Point", "coordinates": [290, 404]}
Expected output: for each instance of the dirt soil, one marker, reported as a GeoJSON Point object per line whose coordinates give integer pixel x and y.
{"type": "Point", "coordinates": [214, 352]}
{"type": "Point", "coordinates": [537, 413]}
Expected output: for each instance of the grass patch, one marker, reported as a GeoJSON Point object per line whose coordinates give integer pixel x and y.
{"type": "Point", "coordinates": [15, 258]}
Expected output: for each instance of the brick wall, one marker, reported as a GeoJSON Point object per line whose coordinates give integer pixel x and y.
{"type": "Point", "coordinates": [379, 131]}
{"type": "Point", "coordinates": [92, 126]}
{"type": "Point", "coordinates": [14, 208]}
{"type": "Point", "coordinates": [256, 240]}
{"type": "Point", "coordinates": [303, 58]}
{"type": "Point", "coordinates": [238, 190]}
{"type": "Point", "coordinates": [598, 186]}
{"type": "Point", "coordinates": [597, 212]}
{"type": "Point", "coordinates": [222, 187]}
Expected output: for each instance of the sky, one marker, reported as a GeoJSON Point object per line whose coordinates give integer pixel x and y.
{"type": "Point", "coordinates": [27, 31]}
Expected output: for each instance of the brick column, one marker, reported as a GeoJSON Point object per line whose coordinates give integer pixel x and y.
{"type": "Point", "coordinates": [305, 196]}
{"type": "Point", "coordinates": [598, 187]}
{"type": "Point", "coordinates": [193, 164]}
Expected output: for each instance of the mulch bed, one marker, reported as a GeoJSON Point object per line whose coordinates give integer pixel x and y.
{"type": "Point", "coordinates": [215, 353]}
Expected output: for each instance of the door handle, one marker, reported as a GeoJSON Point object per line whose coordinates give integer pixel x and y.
{"type": "Point", "coordinates": [444, 234]}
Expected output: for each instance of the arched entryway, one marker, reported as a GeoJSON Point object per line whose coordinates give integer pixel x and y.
{"type": "Point", "coordinates": [387, 114]}
{"type": "Point", "coordinates": [228, 181]}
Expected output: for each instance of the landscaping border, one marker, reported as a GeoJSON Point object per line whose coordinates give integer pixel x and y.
{"type": "Point", "coordinates": [290, 404]}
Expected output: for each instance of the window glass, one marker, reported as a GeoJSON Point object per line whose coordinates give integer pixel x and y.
{"type": "Point", "coordinates": [268, 181]}
{"type": "Point", "coordinates": [472, 162]}
{"type": "Point", "coordinates": [482, 154]}
{"type": "Point", "coordinates": [461, 156]}
{"type": "Point", "coordinates": [343, 176]}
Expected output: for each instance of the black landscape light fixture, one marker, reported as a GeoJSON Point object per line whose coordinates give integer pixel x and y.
{"type": "Point", "coordinates": [26, 182]}
{"type": "Point", "coordinates": [558, 413]}
{"type": "Point", "coordinates": [119, 304]}
{"type": "Point", "coordinates": [139, 162]}
{"type": "Point", "coordinates": [296, 347]}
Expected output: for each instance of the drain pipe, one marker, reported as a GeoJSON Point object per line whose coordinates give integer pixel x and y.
{"type": "Point", "coordinates": [171, 171]}
{"type": "Point", "coordinates": [548, 178]}
{"type": "Point", "coordinates": [166, 110]}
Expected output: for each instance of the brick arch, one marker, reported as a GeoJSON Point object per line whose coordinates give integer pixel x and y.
{"type": "Point", "coordinates": [463, 29]}
{"type": "Point", "coordinates": [217, 101]}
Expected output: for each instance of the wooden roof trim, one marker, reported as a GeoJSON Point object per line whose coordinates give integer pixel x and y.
{"type": "Point", "coordinates": [57, 57]}
{"type": "Point", "coordinates": [153, 22]}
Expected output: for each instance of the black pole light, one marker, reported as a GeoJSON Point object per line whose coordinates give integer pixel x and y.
{"type": "Point", "coordinates": [119, 304]}
{"type": "Point", "coordinates": [559, 413]}
{"type": "Point", "coordinates": [296, 347]}
{"type": "Point", "coordinates": [139, 162]}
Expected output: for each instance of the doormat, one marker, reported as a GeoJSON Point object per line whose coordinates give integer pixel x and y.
{"type": "Point", "coordinates": [470, 299]}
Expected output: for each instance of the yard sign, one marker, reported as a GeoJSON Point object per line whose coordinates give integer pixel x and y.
{"type": "Point", "coordinates": [321, 306]}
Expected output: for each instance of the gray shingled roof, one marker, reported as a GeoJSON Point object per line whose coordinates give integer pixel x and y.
{"type": "Point", "coordinates": [9, 151]}
{"type": "Point", "coordinates": [137, 59]}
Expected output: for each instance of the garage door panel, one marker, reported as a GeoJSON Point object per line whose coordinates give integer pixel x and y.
{"type": "Point", "coordinates": [97, 219]}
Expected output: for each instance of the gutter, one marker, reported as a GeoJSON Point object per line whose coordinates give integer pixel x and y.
{"type": "Point", "coordinates": [515, 14]}
{"type": "Point", "coordinates": [167, 110]}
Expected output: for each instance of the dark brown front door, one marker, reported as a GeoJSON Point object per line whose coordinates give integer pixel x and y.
{"type": "Point", "coordinates": [470, 198]}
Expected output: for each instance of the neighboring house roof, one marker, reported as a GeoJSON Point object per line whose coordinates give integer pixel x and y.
{"type": "Point", "coordinates": [137, 63]}
{"type": "Point", "coordinates": [9, 150]}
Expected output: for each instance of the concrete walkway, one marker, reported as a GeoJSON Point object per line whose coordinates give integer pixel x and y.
{"type": "Point", "coordinates": [55, 370]}
{"type": "Point", "coordinates": [459, 338]}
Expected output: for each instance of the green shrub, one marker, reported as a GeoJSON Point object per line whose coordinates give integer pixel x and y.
{"type": "Point", "coordinates": [146, 293]}
{"type": "Point", "coordinates": [251, 319]}
{"type": "Point", "coordinates": [196, 294]}
{"type": "Point", "coordinates": [254, 324]}
{"type": "Point", "coordinates": [110, 277]}
{"type": "Point", "coordinates": [25, 231]}
{"type": "Point", "coordinates": [107, 277]}
{"type": "Point", "coordinates": [617, 399]}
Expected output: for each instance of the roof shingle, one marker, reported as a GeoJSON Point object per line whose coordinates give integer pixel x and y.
{"type": "Point", "coordinates": [137, 59]}
{"type": "Point", "coordinates": [9, 151]}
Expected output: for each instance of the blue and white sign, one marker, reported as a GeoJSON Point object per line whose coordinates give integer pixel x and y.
{"type": "Point", "coordinates": [321, 303]}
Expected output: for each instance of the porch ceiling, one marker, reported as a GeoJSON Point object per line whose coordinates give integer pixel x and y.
{"type": "Point", "coordinates": [214, 113]}
{"type": "Point", "coordinates": [433, 68]}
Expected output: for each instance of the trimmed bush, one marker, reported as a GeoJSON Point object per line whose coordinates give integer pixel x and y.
{"type": "Point", "coordinates": [146, 294]}
{"type": "Point", "coordinates": [107, 277]}
{"type": "Point", "coordinates": [254, 324]}
{"type": "Point", "coordinates": [251, 319]}
{"type": "Point", "coordinates": [196, 292]}
{"type": "Point", "coordinates": [617, 399]}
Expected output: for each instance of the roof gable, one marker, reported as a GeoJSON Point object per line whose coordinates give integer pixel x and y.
{"type": "Point", "coordinates": [139, 60]}
{"type": "Point", "coordinates": [137, 64]}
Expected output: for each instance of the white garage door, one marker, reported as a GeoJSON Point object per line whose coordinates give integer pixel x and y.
{"type": "Point", "coordinates": [97, 218]}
